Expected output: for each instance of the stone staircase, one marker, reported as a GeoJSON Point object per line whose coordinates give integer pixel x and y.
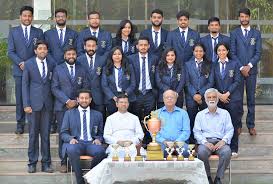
{"type": "Point", "coordinates": [253, 166]}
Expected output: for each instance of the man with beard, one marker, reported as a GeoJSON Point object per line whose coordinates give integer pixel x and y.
{"type": "Point", "coordinates": [156, 34]}
{"type": "Point", "coordinates": [144, 64]}
{"type": "Point", "coordinates": [246, 47]}
{"type": "Point", "coordinates": [38, 102]}
{"type": "Point", "coordinates": [82, 133]}
{"type": "Point", "coordinates": [21, 42]}
{"type": "Point", "coordinates": [68, 78]}
{"type": "Point", "coordinates": [104, 38]}
{"type": "Point", "coordinates": [93, 64]}
{"type": "Point", "coordinates": [212, 39]}
{"type": "Point", "coordinates": [183, 38]}
{"type": "Point", "coordinates": [59, 38]}
{"type": "Point", "coordinates": [213, 131]}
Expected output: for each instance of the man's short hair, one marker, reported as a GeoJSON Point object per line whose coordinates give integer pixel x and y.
{"type": "Point", "coordinates": [175, 93]}
{"type": "Point", "coordinates": [93, 12]}
{"type": "Point", "coordinates": [80, 91]}
{"type": "Point", "coordinates": [182, 13]}
{"type": "Point", "coordinates": [158, 11]}
{"type": "Point", "coordinates": [213, 19]}
{"type": "Point", "coordinates": [244, 11]}
{"type": "Point", "coordinates": [40, 42]}
{"type": "Point", "coordinates": [69, 48]}
{"type": "Point", "coordinates": [90, 38]}
{"type": "Point", "coordinates": [210, 90]}
{"type": "Point", "coordinates": [26, 8]}
{"type": "Point", "coordinates": [120, 96]}
{"type": "Point", "coordinates": [61, 10]}
{"type": "Point", "coordinates": [143, 38]}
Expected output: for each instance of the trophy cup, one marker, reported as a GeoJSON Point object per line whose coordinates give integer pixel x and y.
{"type": "Point", "coordinates": [170, 149]}
{"type": "Point", "coordinates": [115, 153]}
{"type": "Point", "coordinates": [126, 147]}
{"type": "Point", "coordinates": [180, 145]}
{"type": "Point", "coordinates": [191, 157]}
{"type": "Point", "coordinates": [153, 125]}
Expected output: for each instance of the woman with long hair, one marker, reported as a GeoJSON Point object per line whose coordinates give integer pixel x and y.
{"type": "Point", "coordinates": [117, 78]}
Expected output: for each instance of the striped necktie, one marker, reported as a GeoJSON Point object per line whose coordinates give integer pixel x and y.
{"type": "Point", "coordinates": [85, 136]}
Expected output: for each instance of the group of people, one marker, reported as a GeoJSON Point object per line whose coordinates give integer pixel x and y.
{"type": "Point", "coordinates": [78, 79]}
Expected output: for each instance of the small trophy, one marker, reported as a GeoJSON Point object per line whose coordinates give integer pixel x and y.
{"type": "Point", "coordinates": [180, 145]}
{"type": "Point", "coordinates": [126, 146]}
{"type": "Point", "coordinates": [191, 152]}
{"type": "Point", "coordinates": [170, 149]}
{"type": "Point", "coordinates": [115, 152]}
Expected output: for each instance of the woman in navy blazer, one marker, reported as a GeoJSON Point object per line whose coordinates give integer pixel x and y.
{"type": "Point", "coordinates": [125, 37]}
{"type": "Point", "coordinates": [198, 79]}
{"type": "Point", "coordinates": [170, 75]}
{"type": "Point", "coordinates": [117, 78]}
{"type": "Point", "coordinates": [228, 80]}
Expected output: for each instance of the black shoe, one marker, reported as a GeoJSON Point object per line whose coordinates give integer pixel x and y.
{"type": "Point", "coordinates": [31, 169]}
{"type": "Point", "coordinates": [210, 180]}
{"type": "Point", "coordinates": [47, 169]}
{"type": "Point", "coordinates": [217, 180]}
{"type": "Point", "coordinates": [53, 129]}
{"type": "Point", "coordinates": [19, 130]}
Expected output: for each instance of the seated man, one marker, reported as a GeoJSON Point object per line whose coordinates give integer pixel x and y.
{"type": "Point", "coordinates": [123, 126]}
{"type": "Point", "coordinates": [82, 130]}
{"type": "Point", "coordinates": [175, 122]}
{"type": "Point", "coordinates": [213, 131]}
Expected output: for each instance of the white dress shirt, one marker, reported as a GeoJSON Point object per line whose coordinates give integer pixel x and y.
{"type": "Point", "coordinates": [87, 122]}
{"type": "Point", "coordinates": [40, 66]}
{"type": "Point", "coordinates": [122, 126]}
{"type": "Point", "coordinates": [221, 64]}
{"type": "Point", "coordinates": [243, 30]}
{"type": "Point", "coordinates": [185, 34]}
{"type": "Point", "coordinates": [148, 82]}
{"type": "Point", "coordinates": [28, 30]}
{"type": "Point", "coordinates": [97, 31]}
{"type": "Point", "coordinates": [123, 45]}
{"type": "Point", "coordinates": [59, 32]}
{"type": "Point", "coordinates": [158, 36]}
{"type": "Point", "coordinates": [116, 80]}
{"type": "Point", "coordinates": [212, 40]}
{"type": "Point", "coordinates": [89, 59]}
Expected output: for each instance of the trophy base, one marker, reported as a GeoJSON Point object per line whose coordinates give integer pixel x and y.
{"type": "Point", "coordinates": [180, 158]}
{"type": "Point", "coordinates": [138, 158]}
{"type": "Point", "coordinates": [154, 155]}
{"type": "Point", "coordinates": [115, 159]}
{"type": "Point", "coordinates": [127, 158]}
{"type": "Point", "coordinates": [153, 146]}
{"type": "Point", "coordinates": [169, 158]}
{"type": "Point", "coordinates": [191, 158]}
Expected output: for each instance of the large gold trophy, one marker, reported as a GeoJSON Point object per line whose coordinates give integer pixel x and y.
{"type": "Point", "coordinates": [153, 125]}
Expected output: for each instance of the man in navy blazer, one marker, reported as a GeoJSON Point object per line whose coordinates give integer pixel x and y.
{"type": "Point", "coordinates": [94, 63]}
{"type": "Point", "coordinates": [82, 133]}
{"type": "Point", "coordinates": [246, 47]}
{"type": "Point", "coordinates": [213, 38]}
{"type": "Point", "coordinates": [68, 78]}
{"type": "Point", "coordinates": [183, 38]}
{"type": "Point", "coordinates": [156, 34]}
{"type": "Point", "coordinates": [37, 101]}
{"type": "Point", "coordinates": [144, 65]}
{"type": "Point", "coordinates": [104, 38]}
{"type": "Point", "coordinates": [21, 41]}
{"type": "Point", "coordinates": [59, 37]}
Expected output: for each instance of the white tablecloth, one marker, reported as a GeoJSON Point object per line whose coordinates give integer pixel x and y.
{"type": "Point", "coordinates": [107, 172]}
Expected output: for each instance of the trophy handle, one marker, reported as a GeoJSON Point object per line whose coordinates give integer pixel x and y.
{"type": "Point", "coordinates": [145, 122]}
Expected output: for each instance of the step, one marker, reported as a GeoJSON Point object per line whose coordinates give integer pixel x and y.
{"type": "Point", "coordinates": [265, 126]}
{"type": "Point", "coordinates": [260, 138]}
{"type": "Point", "coordinates": [259, 150]}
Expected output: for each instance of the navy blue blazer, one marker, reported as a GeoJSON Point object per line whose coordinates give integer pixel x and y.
{"type": "Point", "coordinates": [18, 51]}
{"type": "Point", "coordinates": [55, 49]}
{"type": "Point", "coordinates": [35, 90]}
{"type": "Point", "coordinates": [195, 82]}
{"type": "Point", "coordinates": [152, 63]}
{"type": "Point", "coordinates": [94, 77]}
{"type": "Point", "coordinates": [165, 81]}
{"type": "Point", "coordinates": [108, 83]}
{"type": "Point", "coordinates": [157, 51]}
{"type": "Point", "coordinates": [184, 53]}
{"type": "Point", "coordinates": [132, 45]}
{"type": "Point", "coordinates": [246, 50]}
{"type": "Point", "coordinates": [207, 42]}
{"type": "Point", "coordinates": [231, 81]}
{"type": "Point", "coordinates": [63, 88]}
{"type": "Point", "coordinates": [104, 44]}
{"type": "Point", "coordinates": [71, 127]}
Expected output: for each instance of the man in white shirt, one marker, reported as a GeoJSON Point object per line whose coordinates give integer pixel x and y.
{"type": "Point", "coordinates": [123, 126]}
